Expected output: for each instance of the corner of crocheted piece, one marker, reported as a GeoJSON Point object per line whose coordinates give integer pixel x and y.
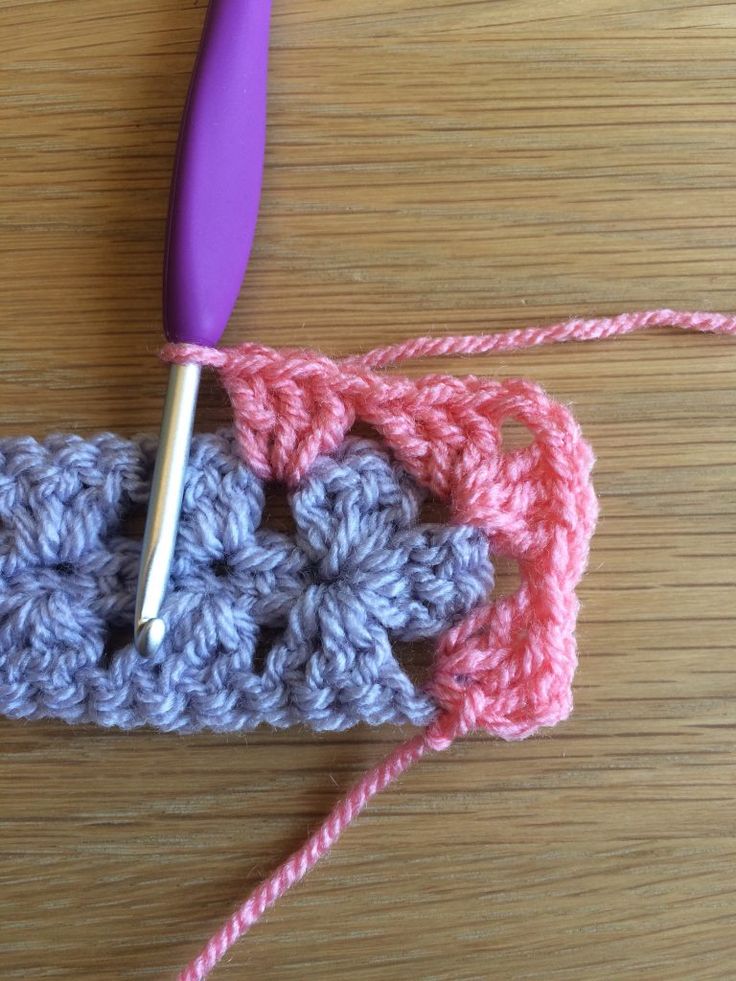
{"type": "Point", "coordinates": [507, 666]}
{"type": "Point", "coordinates": [361, 572]}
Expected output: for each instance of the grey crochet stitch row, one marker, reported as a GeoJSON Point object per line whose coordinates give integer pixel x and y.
{"type": "Point", "coordinates": [358, 571]}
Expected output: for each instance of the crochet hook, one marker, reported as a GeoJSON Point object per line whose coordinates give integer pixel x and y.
{"type": "Point", "coordinates": [213, 209]}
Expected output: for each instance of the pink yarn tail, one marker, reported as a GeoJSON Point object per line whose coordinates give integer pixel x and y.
{"type": "Point", "coordinates": [580, 329]}
{"type": "Point", "coordinates": [302, 860]}
{"type": "Point", "coordinates": [294, 376]}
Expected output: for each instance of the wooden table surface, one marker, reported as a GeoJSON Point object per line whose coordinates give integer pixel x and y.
{"type": "Point", "coordinates": [431, 167]}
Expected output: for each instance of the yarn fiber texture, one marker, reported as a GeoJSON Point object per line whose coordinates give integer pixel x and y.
{"type": "Point", "coordinates": [360, 570]}
{"type": "Point", "coordinates": [321, 607]}
{"type": "Point", "coordinates": [508, 665]}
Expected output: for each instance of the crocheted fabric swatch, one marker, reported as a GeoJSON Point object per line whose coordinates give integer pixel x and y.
{"type": "Point", "coordinates": [507, 666]}
{"type": "Point", "coordinates": [359, 571]}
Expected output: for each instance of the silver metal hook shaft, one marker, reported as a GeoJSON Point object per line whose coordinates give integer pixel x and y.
{"type": "Point", "coordinates": [164, 505]}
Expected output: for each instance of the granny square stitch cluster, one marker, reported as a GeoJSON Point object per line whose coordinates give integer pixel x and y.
{"type": "Point", "coordinates": [508, 666]}
{"type": "Point", "coordinates": [359, 571]}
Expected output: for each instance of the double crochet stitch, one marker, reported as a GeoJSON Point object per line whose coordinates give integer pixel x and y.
{"type": "Point", "coordinates": [321, 606]}
{"type": "Point", "coordinates": [507, 667]}
{"type": "Point", "coordinates": [359, 570]}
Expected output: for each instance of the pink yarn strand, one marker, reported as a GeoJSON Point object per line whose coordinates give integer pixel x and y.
{"type": "Point", "coordinates": [292, 405]}
{"type": "Point", "coordinates": [596, 328]}
{"type": "Point", "coordinates": [305, 858]}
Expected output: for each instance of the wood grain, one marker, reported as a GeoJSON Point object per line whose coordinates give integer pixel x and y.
{"type": "Point", "coordinates": [432, 166]}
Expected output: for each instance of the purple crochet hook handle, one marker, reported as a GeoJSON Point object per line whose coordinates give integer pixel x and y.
{"type": "Point", "coordinates": [213, 210]}
{"type": "Point", "coordinates": [216, 185]}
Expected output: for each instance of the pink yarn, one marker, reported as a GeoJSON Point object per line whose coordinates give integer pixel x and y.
{"type": "Point", "coordinates": [508, 667]}
{"type": "Point", "coordinates": [297, 866]}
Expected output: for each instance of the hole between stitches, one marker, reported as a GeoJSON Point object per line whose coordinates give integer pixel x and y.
{"type": "Point", "coordinates": [222, 568]}
{"type": "Point", "coordinates": [133, 521]}
{"type": "Point", "coordinates": [277, 514]}
{"type": "Point", "coordinates": [507, 576]}
{"type": "Point", "coordinates": [364, 430]}
{"type": "Point", "coordinates": [415, 658]}
{"type": "Point", "coordinates": [118, 635]}
{"type": "Point", "coordinates": [267, 637]}
{"type": "Point", "coordinates": [433, 511]}
{"type": "Point", "coordinates": [515, 436]}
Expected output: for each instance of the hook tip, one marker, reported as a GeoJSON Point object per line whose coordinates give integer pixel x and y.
{"type": "Point", "coordinates": [149, 636]}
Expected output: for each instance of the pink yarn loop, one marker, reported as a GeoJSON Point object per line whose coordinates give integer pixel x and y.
{"type": "Point", "coordinates": [508, 667]}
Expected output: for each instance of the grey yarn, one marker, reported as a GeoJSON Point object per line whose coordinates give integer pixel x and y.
{"type": "Point", "coordinates": [359, 570]}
